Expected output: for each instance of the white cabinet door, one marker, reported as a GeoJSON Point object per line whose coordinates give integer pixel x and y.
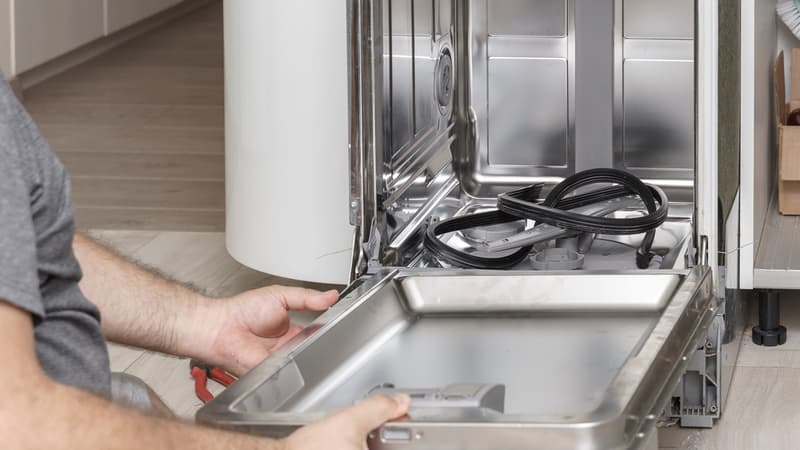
{"type": "Point", "coordinates": [6, 64]}
{"type": "Point", "coordinates": [122, 13]}
{"type": "Point", "coordinates": [46, 29]}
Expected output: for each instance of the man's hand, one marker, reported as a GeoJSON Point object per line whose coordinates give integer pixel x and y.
{"type": "Point", "coordinates": [348, 429]}
{"type": "Point", "coordinates": [143, 309]}
{"type": "Point", "coordinates": [237, 333]}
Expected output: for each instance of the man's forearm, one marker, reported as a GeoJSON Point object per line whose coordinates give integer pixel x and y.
{"type": "Point", "coordinates": [55, 416]}
{"type": "Point", "coordinates": [138, 307]}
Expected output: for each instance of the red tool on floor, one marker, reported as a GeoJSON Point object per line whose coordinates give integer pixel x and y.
{"type": "Point", "coordinates": [201, 373]}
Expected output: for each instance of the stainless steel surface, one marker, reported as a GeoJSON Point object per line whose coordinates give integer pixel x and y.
{"type": "Point", "coordinates": [551, 293]}
{"type": "Point", "coordinates": [521, 83]}
{"type": "Point", "coordinates": [491, 233]}
{"type": "Point", "coordinates": [365, 128]}
{"type": "Point", "coordinates": [516, 116]}
{"type": "Point", "coordinates": [544, 232]}
{"type": "Point", "coordinates": [462, 396]}
{"type": "Point", "coordinates": [654, 81]}
{"type": "Point", "coordinates": [540, 18]}
{"type": "Point", "coordinates": [597, 383]}
{"type": "Point", "coordinates": [654, 19]}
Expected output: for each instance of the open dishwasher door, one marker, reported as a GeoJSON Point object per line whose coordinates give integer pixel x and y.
{"type": "Point", "coordinates": [452, 103]}
{"type": "Point", "coordinates": [586, 360]}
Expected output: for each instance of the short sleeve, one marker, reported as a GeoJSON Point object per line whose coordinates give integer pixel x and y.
{"type": "Point", "coordinates": [19, 278]}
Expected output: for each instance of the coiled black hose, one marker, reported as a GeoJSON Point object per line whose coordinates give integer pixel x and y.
{"type": "Point", "coordinates": [554, 210]}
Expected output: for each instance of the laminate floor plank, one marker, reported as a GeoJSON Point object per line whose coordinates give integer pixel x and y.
{"type": "Point", "coordinates": [169, 377]}
{"type": "Point", "coordinates": [150, 218]}
{"type": "Point", "coordinates": [167, 193]}
{"type": "Point", "coordinates": [122, 357]}
{"type": "Point", "coordinates": [199, 259]}
{"type": "Point", "coordinates": [116, 92]}
{"type": "Point", "coordinates": [142, 74]}
{"type": "Point", "coordinates": [79, 114]}
{"type": "Point", "coordinates": [131, 165]}
{"type": "Point", "coordinates": [145, 140]}
{"type": "Point", "coordinates": [141, 128]}
{"type": "Point", "coordinates": [125, 242]}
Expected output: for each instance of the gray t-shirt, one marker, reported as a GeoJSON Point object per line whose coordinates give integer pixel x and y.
{"type": "Point", "coordinates": [38, 270]}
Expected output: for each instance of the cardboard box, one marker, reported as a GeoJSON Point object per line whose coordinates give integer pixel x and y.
{"type": "Point", "coordinates": [788, 137]}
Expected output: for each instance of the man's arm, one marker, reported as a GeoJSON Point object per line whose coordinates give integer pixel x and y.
{"type": "Point", "coordinates": [72, 418]}
{"type": "Point", "coordinates": [143, 309]}
{"type": "Point", "coordinates": [138, 307]}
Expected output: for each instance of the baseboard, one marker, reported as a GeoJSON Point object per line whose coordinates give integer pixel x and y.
{"type": "Point", "coordinates": [34, 76]}
{"type": "Point", "coordinates": [16, 87]}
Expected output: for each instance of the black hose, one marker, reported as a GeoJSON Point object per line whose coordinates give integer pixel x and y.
{"type": "Point", "coordinates": [554, 210]}
{"type": "Point", "coordinates": [463, 259]}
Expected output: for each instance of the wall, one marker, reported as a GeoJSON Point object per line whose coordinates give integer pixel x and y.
{"type": "Point", "coordinates": [6, 39]}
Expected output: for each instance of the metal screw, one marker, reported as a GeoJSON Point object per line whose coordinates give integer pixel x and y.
{"type": "Point", "coordinates": [713, 408]}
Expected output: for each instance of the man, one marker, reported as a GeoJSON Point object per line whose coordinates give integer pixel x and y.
{"type": "Point", "coordinates": [55, 376]}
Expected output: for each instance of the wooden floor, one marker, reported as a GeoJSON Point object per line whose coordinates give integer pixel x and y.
{"type": "Point", "coordinates": [141, 129]}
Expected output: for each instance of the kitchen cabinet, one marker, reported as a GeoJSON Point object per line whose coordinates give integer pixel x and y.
{"type": "Point", "coordinates": [33, 32]}
{"type": "Point", "coordinates": [46, 29]}
{"type": "Point", "coordinates": [5, 37]}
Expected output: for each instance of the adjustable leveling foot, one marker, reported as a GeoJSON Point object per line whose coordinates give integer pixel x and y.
{"type": "Point", "coordinates": [769, 332]}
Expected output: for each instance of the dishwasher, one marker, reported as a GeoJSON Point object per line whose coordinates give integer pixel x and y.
{"type": "Point", "coordinates": [437, 156]}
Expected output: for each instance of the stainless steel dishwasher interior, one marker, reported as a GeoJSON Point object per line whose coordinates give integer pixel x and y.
{"type": "Point", "coordinates": [478, 97]}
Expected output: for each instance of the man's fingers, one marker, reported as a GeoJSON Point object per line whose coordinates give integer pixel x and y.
{"type": "Point", "coordinates": [292, 331]}
{"type": "Point", "coordinates": [374, 412]}
{"type": "Point", "coordinates": [297, 299]}
{"type": "Point", "coordinates": [322, 301]}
